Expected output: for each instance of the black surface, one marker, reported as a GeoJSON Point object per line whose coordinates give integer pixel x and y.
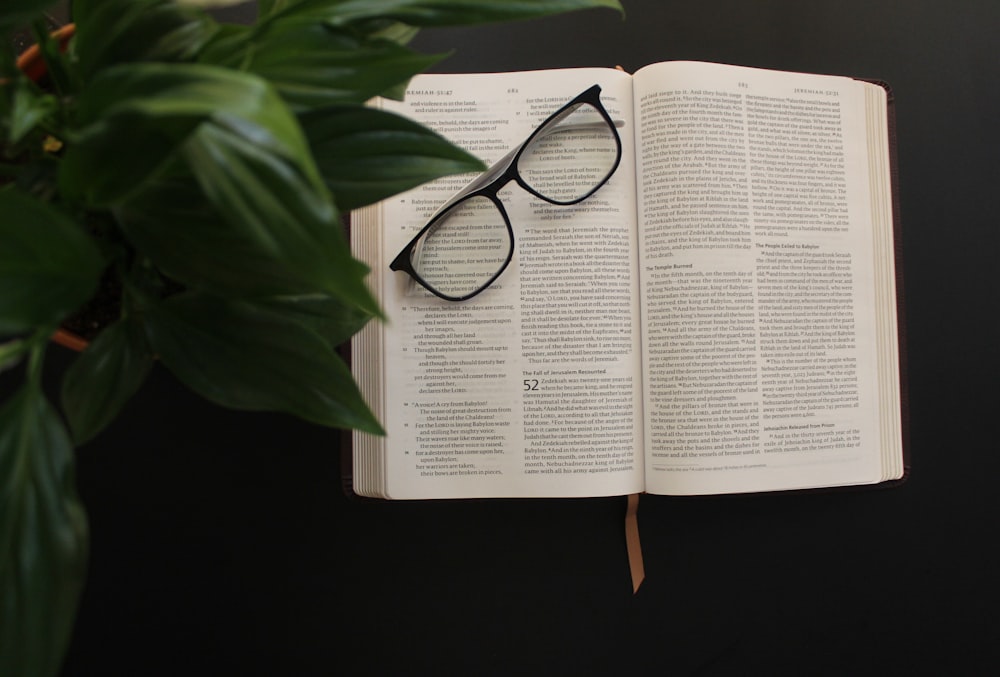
{"type": "Point", "coordinates": [223, 545]}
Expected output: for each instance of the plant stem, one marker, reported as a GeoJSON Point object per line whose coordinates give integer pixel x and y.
{"type": "Point", "coordinates": [54, 63]}
{"type": "Point", "coordinates": [36, 358]}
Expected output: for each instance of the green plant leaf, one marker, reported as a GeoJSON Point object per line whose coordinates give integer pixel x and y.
{"type": "Point", "coordinates": [436, 12]}
{"type": "Point", "coordinates": [312, 64]}
{"type": "Point", "coordinates": [280, 211]}
{"type": "Point", "coordinates": [246, 356]}
{"type": "Point", "coordinates": [334, 321]}
{"type": "Point", "coordinates": [111, 32]}
{"type": "Point", "coordinates": [12, 352]}
{"type": "Point", "coordinates": [266, 8]}
{"type": "Point", "coordinates": [58, 73]}
{"type": "Point", "coordinates": [208, 4]}
{"type": "Point", "coordinates": [43, 537]}
{"type": "Point", "coordinates": [18, 12]}
{"type": "Point", "coordinates": [366, 155]}
{"type": "Point", "coordinates": [187, 238]}
{"type": "Point", "coordinates": [184, 235]}
{"type": "Point", "coordinates": [28, 108]}
{"type": "Point", "coordinates": [399, 33]}
{"type": "Point", "coordinates": [105, 375]}
{"type": "Point", "coordinates": [48, 266]}
{"type": "Point", "coordinates": [141, 114]}
{"type": "Point", "coordinates": [229, 46]}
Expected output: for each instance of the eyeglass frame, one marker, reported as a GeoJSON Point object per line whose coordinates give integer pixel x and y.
{"type": "Point", "coordinates": [495, 178]}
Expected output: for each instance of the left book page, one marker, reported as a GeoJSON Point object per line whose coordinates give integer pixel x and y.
{"type": "Point", "coordinates": [533, 387]}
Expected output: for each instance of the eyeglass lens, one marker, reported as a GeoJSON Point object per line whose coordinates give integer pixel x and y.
{"type": "Point", "coordinates": [569, 158]}
{"type": "Point", "coordinates": [469, 244]}
{"type": "Point", "coordinates": [464, 249]}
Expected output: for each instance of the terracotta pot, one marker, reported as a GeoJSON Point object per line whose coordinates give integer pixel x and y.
{"type": "Point", "coordinates": [32, 64]}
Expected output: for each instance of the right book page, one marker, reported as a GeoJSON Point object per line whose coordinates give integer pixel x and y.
{"type": "Point", "coordinates": [767, 281]}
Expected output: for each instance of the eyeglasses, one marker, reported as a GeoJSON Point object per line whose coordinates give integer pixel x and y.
{"type": "Point", "coordinates": [469, 241]}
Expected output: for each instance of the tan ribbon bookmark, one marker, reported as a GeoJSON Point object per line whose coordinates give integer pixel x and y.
{"type": "Point", "coordinates": [632, 544]}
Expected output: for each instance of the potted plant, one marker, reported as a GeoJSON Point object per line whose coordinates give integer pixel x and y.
{"type": "Point", "coordinates": [196, 174]}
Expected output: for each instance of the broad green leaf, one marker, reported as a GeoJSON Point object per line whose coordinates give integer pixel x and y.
{"type": "Point", "coordinates": [334, 321]}
{"type": "Point", "coordinates": [399, 33]}
{"type": "Point", "coordinates": [437, 12]}
{"type": "Point", "coordinates": [134, 118]}
{"type": "Point", "coordinates": [48, 265]}
{"type": "Point", "coordinates": [103, 378]}
{"type": "Point", "coordinates": [185, 236]}
{"type": "Point", "coordinates": [12, 352]}
{"type": "Point", "coordinates": [366, 155]}
{"type": "Point", "coordinates": [277, 210]}
{"type": "Point", "coordinates": [248, 357]}
{"type": "Point", "coordinates": [57, 71]}
{"type": "Point", "coordinates": [28, 107]}
{"type": "Point", "coordinates": [229, 47]}
{"type": "Point", "coordinates": [15, 12]}
{"type": "Point", "coordinates": [208, 4]}
{"type": "Point", "coordinates": [312, 64]}
{"type": "Point", "coordinates": [266, 8]}
{"type": "Point", "coordinates": [43, 537]}
{"type": "Point", "coordinates": [121, 31]}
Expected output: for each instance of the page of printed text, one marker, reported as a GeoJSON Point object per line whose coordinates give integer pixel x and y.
{"type": "Point", "coordinates": [533, 387]}
{"type": "Point", "coordinates": [756, 278]}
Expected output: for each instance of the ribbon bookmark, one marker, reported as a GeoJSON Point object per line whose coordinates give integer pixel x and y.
{"type": "Point", "coordinates": [632, 543]}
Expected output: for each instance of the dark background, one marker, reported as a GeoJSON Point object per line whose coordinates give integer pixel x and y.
{"type": "Point", "coordinates": [222, 543]}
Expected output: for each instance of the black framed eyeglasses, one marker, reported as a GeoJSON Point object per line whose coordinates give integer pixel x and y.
{"type": "Point", "coordinates": [469, 241]}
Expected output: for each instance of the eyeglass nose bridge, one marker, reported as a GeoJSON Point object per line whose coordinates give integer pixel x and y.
{"type": "Point", "coordinates": [493, 180]}
{"type": "Point", "coordinates": [506, 169]}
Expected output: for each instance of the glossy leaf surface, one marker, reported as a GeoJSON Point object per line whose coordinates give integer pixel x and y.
{"type": "Point", "coordinates": [246, 356]}
{"type": "Point", "coordinates": [22, 108]}
{"type": "Point", "coordinates": [43, 537]}
{"type": "Point", "coordinates": [312, 64]}
{"type": "Point", "coordinates": [48, 267]}
{"type": "Point", "coordinates": [102, 379]}
{"type": "Point", "coordinates": [111, 32]}
{"type": "Point", "coordinates": [141, 113]}
{"type": "Point", "coordinates": [366, 155]}
{"type": "Point", "coordinates": [436, 12]}
{"type": "Point", "coordinates": [334, 321]}
{"type": "Point", "coordinates": [253, 226]}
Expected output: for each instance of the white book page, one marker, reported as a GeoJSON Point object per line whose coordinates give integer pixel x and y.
{"type": "Point", "coordinates": [757, 278]}
{"type": "Point", "coordinates": [533, 387]}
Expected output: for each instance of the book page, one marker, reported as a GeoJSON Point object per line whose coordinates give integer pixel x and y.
{"type": "Point", "coordinates": [756, 235]}
{"type": "Point", "coordinates": [533, 387]}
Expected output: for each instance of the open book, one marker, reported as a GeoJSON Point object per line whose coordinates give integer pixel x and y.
{"type": "Point", "coordinates": [720, 317]}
